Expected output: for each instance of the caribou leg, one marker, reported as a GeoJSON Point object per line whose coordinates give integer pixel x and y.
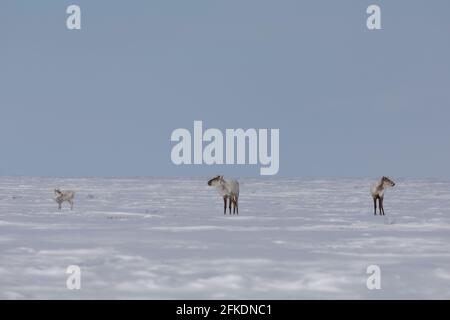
{"type": "Point", "coordinates": [224, 205]}
{"type": "Point", "coordinates": [375, 206]}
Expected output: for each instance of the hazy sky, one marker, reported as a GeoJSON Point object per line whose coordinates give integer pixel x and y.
{"type": "Point", "coordinates": [104, 100]}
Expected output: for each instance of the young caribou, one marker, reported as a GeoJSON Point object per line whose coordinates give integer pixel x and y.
{"type": "Point", "coordinates": [377, 192]}
{"type": "Point", "coordinates": [229, 190]}
{"type": "Point", "coordinates": [64, 196]}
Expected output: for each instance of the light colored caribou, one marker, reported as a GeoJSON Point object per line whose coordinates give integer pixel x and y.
{"type": "Point", "coordinates": [64, 196]}
{"type": "Point", "coordinates": [229, 190]}
{"type": "Point", "coordinates": [377, 192]}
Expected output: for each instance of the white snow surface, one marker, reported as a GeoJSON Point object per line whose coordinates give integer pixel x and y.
{"type": "Point", "coordinates": [167, 238]}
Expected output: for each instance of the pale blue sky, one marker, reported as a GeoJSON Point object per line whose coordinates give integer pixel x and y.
{"type": "Point", "coordinates": [104, 100]}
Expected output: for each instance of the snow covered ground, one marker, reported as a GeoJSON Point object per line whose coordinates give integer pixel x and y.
{"type": "Point", "coordinates": [168, 238]}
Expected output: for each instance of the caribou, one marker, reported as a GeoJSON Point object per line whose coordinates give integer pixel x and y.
{"type": "Point", "coordinates": [229, 190]}
{"type": "Point", "coordinates": [377, 192]}
{"type": "Point", "coordinates": [64, 196]}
